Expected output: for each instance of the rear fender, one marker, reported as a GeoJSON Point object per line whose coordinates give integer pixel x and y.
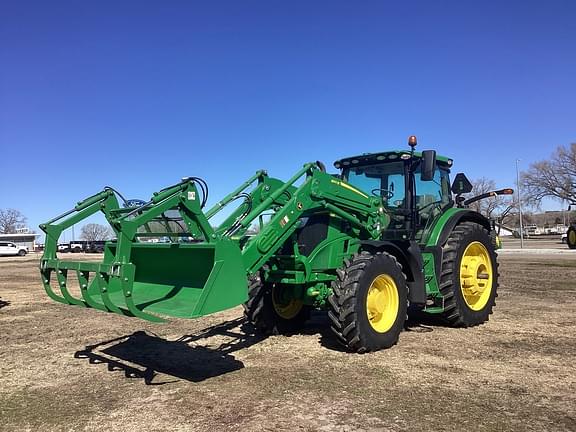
{"type": "Point", "coordinates": [443, 228]}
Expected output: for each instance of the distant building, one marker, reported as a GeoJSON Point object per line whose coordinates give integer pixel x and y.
{"type": "Point", "coordinates": [27, 239]}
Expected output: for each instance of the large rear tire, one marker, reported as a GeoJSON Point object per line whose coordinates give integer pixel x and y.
{"type": "Point", "coordinates": [269, 312]}
{"type": "Point", "coordinates": [571, 237]}
{"type": "Point", "coordinates": [469, 279]}
{"type": "Point", "coordinates": [368, 303]}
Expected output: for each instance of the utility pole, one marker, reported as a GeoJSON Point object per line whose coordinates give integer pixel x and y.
{"type": "Point", "coordinates": [519, 205]}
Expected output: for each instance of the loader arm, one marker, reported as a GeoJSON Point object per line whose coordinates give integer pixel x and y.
{"type": "Point", "coordinates": [320, 192]}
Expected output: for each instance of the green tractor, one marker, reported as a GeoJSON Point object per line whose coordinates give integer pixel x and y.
{"type": "Point", "coordinates": [386, 235]}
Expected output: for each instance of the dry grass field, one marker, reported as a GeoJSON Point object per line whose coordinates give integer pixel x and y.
{"type": "Point", "coordinates": [67, 368]}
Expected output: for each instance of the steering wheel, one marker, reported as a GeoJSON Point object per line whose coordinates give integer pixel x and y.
{"type": "Point", "coordinates": [383, 193]}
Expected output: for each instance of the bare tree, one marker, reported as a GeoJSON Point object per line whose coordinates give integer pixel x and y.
{"type": "Point", "coordinates": [502, 208]}
{"type": "Point", "coordinates": [489, 207]}
{"type": "Point", "coordinates": [95, 232]}
{"type": "Point", "coordinates": [11, 220]}
{"type": "Point", "coordinates": [553, 178]}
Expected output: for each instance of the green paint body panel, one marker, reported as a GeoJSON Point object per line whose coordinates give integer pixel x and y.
{"type": "Point", "coordinates": [432, 237]}
{"type": "Point", "coordinates": [432, 287]}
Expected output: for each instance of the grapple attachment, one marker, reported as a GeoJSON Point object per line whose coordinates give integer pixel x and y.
{"type": "Point", "coordinates": [160, 264]}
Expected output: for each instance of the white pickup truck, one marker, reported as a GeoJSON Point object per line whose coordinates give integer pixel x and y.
{"type": "Point", "coordinates": [9, 248]}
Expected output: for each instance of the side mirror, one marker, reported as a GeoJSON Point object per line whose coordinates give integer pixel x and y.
{"type": "Point", "coordinates": [428, 165]}
{"type": "Point", "coordinates": [461, 184]}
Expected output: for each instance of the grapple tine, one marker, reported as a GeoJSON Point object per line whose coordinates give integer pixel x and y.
{"type": "Point", "coordinates": [102, 283]}
{"type": "Point", "coordinates": [62, 276]}
{"type": "Point", "coordinates": [123, 295]}
{"type": "Point", "coordinates": [86, 287]}
{"type": "Point", "coordinates": [141, 314]}
{"type": "Point", "coordinates": [46, 277]}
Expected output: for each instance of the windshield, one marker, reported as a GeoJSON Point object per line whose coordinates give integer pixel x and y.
{"type": "Point", "coordinates": [385, 180]}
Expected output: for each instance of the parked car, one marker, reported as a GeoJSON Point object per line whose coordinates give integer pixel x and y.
{"type": "Point", "coordinates": [76, 247]}
{"type": "Point", "coordinates": [564, 238]}
{"type": "Point", "coordinates": [96, 246]}
{"type": "Point", "coordinates": [9, 248]}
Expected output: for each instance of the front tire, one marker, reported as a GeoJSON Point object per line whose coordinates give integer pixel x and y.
{"type": "Point", "coordinates": [571, 237]}
{"type": "Point", "coordinates": [21, 253]}
{"type": "Point", "coordinates": [269, 312]}
{"type": "Point", "coordinates": [369, 302]}
{"type": "Point", "coordinates": [469, 279]}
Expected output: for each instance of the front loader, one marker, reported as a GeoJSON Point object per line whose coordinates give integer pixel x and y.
{"type": "Point", "coordinates": [384, 236]}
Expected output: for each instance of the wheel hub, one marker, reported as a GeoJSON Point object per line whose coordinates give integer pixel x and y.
{"type": "Point", "coordinates": [476, 275]}
{"type": "Point", "coordinates": [285, 306]}
{"type": "Point", "coordinates": [382, 303]}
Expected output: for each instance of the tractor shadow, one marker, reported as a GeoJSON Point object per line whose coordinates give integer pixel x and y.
{"type": "Point", "coordinates": [190, 357]}
{"type": "Point", "coordinates": [4, 303]}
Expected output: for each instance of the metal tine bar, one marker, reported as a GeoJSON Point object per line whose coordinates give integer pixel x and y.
{"type": "Point", "coordinates": [85, 286]}
{"type": "Point", "coordinates": [120, 283]}
{"type": "Point", "coordinates": [62, 276]}
{"type": "Point", "coordinates": [141, 314]}
{"type": "Point", "coordinates": [46, 277]}
{"type": "Point", "coordinates": [102, 284]}
{"type": "Point", "coordinates": [128, 307]}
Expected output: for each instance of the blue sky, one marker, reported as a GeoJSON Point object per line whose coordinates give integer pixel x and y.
{"type": "Point", "coordinates": [137, 94]}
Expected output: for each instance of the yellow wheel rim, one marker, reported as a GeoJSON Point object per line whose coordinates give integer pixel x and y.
{"type": "Point", "coordinates": [382, 303]}
{"type": "Point", "coordinates": [572, 237]}
{"type": "Point", "coordinates": [476, 276]}
{"type": "Point", "coordinates": [285, 308]}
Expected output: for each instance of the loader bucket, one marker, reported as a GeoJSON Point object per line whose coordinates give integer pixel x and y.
{"type": "Point", "coordinates": [183, 280]}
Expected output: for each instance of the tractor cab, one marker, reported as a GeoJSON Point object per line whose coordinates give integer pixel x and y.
{"type": "Point", "coordinates": [414, 187]}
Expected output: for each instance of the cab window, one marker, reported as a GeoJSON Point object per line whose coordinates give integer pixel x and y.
{"type": "Point", "coordinates": [434, 193]}
{"type": "Point", "coordinates": [383, 180]}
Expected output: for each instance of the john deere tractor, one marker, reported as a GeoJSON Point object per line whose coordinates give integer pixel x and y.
{"type": "Point", "coordinates": [385, 235]}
